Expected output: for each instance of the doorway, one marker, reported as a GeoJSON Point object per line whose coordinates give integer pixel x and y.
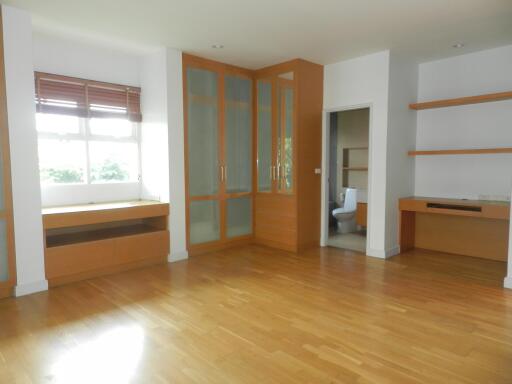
{"type": "Point", "coordinates": [347, 179]}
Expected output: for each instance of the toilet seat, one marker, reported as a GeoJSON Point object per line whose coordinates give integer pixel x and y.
{"type": "Point", "coordinates": [338, 211]}
{"type": "Point", "coordinates": [345, 215]}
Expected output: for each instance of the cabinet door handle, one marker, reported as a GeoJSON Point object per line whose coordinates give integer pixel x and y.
{"type": "Point", "coordinates": [278, 172]}
{"type": "Point", "coordinates": [225, 173]}
{"type": "Point", "coordinates": [221, 168]}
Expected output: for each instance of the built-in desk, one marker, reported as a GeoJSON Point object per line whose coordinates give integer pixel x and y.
{"type": "Point", "coordinates": [467, 227]}
{"type": "Point", "coordinates": [83, 241]}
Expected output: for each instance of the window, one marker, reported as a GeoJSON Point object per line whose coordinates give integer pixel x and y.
{"type": "Point", "coordinates": [87, 131]}
{"type": "Point", "coordinates": [78, 150]}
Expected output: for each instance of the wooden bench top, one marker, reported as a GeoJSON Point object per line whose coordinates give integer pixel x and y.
{"type": "Point", "coordinates": [85, 214]}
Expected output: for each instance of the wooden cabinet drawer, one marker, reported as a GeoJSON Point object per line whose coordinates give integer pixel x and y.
{"type": "Point", "coordinates": [129, 249]}
{"type": "Point", "coordinates": [86, 259]}
{"type": "Point", "coordinates": [78, 258]}
{"type": "Point", "coordinates": [361, 214]}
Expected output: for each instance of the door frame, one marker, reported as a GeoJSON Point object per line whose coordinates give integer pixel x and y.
{"type": "Point", "coordinates": [324, 195]}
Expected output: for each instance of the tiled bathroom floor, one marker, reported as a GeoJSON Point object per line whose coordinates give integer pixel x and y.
{"type": "Point", "coordinates": [355, 241]}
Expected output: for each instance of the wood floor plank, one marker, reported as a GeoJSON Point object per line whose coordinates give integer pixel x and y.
{"type": "Point", "coordinates": [256, 315]}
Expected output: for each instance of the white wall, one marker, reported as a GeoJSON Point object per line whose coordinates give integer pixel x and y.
{"type": "Point", "coordinates": [154, 137]}
{"type": "Point", "coordinates": [28, 228]}
{"type": "Point", "coordinates": [163, 140]}
{"type": "Point", "coordinates": [54, 195]}
{"type": "Point", "coordinates": [356, 83]}
{"type": "Point", "coordinates": [177, 223]}
{"type": "Point", "coordinates": [472, 126]}
{"type": "Point", "coordinates": [71, 58]}
{"type": "Point", "coordinates": [403, 87]}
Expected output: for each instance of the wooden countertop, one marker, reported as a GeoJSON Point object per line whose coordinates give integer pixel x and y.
{"type": "Point", "coordinates": [459, 207]}
{"type": "Point", "coordinates": [98, 206]}
{"type": "Point", "coordinates": [85, 214]}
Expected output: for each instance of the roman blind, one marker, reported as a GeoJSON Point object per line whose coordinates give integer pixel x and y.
{"type": "Point", "coordinates": [86, 98]}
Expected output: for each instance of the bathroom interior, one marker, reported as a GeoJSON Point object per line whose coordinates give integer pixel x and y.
{"type": "Point", "coordinates": [348, 179]}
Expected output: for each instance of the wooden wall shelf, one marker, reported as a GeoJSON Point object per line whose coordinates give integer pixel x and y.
{"type": "Point", "coordinates": [462, 101]}
{"type": "Point", "coordinates": [480, 151]}
{"type": "Point", "coordinates": [345, 171]}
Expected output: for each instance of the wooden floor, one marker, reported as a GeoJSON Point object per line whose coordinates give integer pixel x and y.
{"type": "Point", "coordinates": [256, 315]}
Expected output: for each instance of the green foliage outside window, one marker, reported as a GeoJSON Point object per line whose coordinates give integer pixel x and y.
{"type": "Point", "coordinates": [109, 171]}
{"type": "Point", "coordinates": [62, 175]}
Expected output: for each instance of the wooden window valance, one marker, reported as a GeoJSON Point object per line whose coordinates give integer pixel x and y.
{"type": "Point", "coordinates": [86, 98]}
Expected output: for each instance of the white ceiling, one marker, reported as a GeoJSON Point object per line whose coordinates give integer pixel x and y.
{"type": "Point", "coordinates": [262, 32]}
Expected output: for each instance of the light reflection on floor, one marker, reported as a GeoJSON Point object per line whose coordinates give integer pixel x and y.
{"type": "Point", "coordinates": [110, 358]}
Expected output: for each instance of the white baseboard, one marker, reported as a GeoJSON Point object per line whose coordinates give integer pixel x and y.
{"type": "Point", "coordinates": [383, 254]}
{"type": "Point", "coordinates": [27, 289]}
{"type": "Point", "coordinates": [507, 283]}
{"type": "Point", "coordinates": [177, 256]}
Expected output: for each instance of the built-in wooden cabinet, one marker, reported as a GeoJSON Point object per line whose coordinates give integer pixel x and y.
{"type": "Point", "coordinates": [247, 173]}
{"type": "Point", "coordinates": [7, 257]}
{"type": "Point", "coordinates": [275, 133]}
{"type": "Point", "coordinates": [218, 102]}
{"type": "Point", "coordinates": [362, 214]}
{"type": "Point", "coordinates": [90, 240]}
{"type": "Point", "coordinates": [289, 132]}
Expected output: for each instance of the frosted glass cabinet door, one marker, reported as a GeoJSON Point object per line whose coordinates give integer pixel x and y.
{"type": "Point", "coordinates": [264, 136]}
{"type": "Point", "coordinates": [203, 131]}
{"type": "Point", "coordinates": [285, 139]}
{"type": "Point", "coordinates": [204, 221]}
{"type": "Point", "coordinates": [288, 140]}
{"type": "Point", "coordinates": [4, 261]}
{"type": "Point", "coordinates": [238, 134]}
{"type": "Point", "coordinates": [239, 216]}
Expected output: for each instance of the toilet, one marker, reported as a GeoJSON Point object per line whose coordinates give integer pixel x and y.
{"type": "Point", "coordinates": [345, 215]}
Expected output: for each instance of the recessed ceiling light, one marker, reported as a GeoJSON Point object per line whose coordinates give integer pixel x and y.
{"type": "Point", "coordinates": [458, 45]}
{"type": "Point", "coordinates": [217, 46]}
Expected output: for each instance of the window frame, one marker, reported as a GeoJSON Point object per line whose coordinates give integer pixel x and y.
{"type": "Point", "coordinates": [86, 136]}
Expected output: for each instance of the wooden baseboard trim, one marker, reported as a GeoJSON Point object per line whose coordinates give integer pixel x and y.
{"type": "Point", "coordinates": [201, 250]}
{"type": "Point", "coordinates": [6, 292]}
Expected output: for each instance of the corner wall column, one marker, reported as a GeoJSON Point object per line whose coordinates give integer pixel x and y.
{"type": "Point", "coordinates": [26, 190]}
